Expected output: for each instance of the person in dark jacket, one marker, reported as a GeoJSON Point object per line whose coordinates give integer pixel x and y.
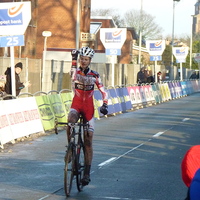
{"type": "Point", "coordinates": [142, 76]}
{"type": "Point", "coordinates": [19, 84]}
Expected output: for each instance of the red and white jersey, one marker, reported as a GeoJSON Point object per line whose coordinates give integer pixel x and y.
{"type": "Point", "coordinates": [83, 83]}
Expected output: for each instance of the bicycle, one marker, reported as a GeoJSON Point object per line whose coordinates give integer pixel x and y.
{"type": "Point", "coordinates": [75, 155]}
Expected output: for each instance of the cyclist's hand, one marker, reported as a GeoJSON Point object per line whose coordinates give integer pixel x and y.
{"type": "Point", "coordinates": [104, 109]}
{"type": "Point", "coordinates": [74, 54]}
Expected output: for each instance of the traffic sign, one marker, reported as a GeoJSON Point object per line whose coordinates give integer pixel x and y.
{"type": "Point", "coordinates": [155, 58]}
{"type": "Point", "coordinates": [14, 16]}
{"type": "Point", "coordinates": [113, 52]}
{"type": "Point", "coordinates": [8, 41]}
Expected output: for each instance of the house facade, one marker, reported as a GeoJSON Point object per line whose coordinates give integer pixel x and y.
{"type": "Point", "coordinates": [60, 18]}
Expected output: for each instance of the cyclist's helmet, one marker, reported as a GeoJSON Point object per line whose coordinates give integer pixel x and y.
{"type": "Point", "coordinates": [87, 51]}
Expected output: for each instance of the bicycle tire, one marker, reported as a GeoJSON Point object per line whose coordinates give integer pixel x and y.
{"type": "Point", "coordinates": [69, 169]}
{"type": "Point", "coordinates": [80, 163]}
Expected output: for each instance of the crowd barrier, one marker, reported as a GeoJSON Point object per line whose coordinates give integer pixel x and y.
{"type": "Point", "coordinates": [21, 117]}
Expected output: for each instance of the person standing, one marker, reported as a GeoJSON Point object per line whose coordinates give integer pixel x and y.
{"type": "Point", "coordinates": [142, 76]}
{"type": "Point", "coordinates": [18, 83]}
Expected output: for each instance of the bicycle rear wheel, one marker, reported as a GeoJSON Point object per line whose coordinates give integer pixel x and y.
{"type": "Point", "coordinates": [80, 164]}
{"type": "Point", "coordinates": [69, 169]}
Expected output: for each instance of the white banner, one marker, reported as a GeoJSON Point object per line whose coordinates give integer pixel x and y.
{"type": "Point", "coordinates": [22, 116]}
{"type": "Point", "coordinates": [5, 130]}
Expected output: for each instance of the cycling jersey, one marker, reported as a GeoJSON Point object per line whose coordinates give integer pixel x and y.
{"type": "Point", "coordinates": [83, 82]}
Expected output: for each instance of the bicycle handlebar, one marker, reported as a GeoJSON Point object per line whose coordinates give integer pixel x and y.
{"type": "Point", "coordinates": [67, 123]}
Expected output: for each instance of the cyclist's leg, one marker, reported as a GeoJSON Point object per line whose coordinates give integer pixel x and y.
{"type": "Point", "coordinates": [73, 117]}
{"type": "Point", "coordinates": [88, 136]}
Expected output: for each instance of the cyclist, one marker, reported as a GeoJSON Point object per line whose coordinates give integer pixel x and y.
{"type": "Point", "coordinates": [83, 81]}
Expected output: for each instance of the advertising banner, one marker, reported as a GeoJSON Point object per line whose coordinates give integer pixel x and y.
{"type": "Point", "coordinates": [5, 130]}
{"type": "Point", "coordinates": [125, 102]}
{"type": "Point", "coordinates": [180, 53]}
{"type": "Point", "coordinates": [113, 38]}
{"type": "Point", "coordinates": [156, 93]}
{"type": "Point", "coordinates": [67, 101]}
{"type": "Point", "coordinates": [46, 112]}
{"type": "Point", "coordinates": [143, 96]}
{"type": "Point", "coordinates": [172, 90]}
{"type": "Point", "coordinates": [133, 96]}
{"type": "Point", "coordinates": [147, 94]}
{"type": "Point", "coordinates": [152, 98]}
{"type": "Point", "coordinates": [168, 94]}
{"type": "Point", "coordinates": [23, 116]}
{"type": "Point", "coordinates": [155, 47]}
{"type": "Point", "coordinates": [57, 107]}
{"type": "Point", "coordinates": [14, 16]}
{"type": "Point", "coordinates": [183, 86]}
{"type": "Point", "coordinates": [115, 100]}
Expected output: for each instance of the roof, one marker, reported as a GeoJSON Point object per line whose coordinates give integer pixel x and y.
{"type": "Point", "coordinates": [94, 27]}
{"type": "Point", "coordinates": [105, 18]}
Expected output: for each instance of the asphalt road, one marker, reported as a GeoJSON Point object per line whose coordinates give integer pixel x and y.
{"type": "Point", "coordinates": [137, 156]}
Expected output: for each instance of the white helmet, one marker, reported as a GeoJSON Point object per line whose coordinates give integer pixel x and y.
{"type": "Point", "coordinates": [86, 51]}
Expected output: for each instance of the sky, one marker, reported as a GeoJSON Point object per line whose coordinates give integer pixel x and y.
{"type": "Point", "coordinates": [161, 9]}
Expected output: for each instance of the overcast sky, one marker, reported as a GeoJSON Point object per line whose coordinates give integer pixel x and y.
{"type": "Point", "coordinates": [161, 9]}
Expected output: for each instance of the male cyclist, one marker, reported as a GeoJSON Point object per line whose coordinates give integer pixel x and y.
{"type": "Point", "coordinates": [83, 82]}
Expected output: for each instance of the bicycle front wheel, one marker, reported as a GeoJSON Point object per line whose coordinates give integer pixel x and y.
{"type": "Point", "coordinates": [80, 165]}
{"type": "Point", "coordinates": [69, 169]}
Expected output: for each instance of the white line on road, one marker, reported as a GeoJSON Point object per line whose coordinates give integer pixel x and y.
{"type": "Point", "coordinates": [158, 134]}
{"type": "Point", "coordinates": [186, 119]}
{"type": "Point", "coordinates": [107, 161]}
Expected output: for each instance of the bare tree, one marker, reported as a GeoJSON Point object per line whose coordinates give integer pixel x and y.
{"type": "Point", "coordinates": [109, 12]}
{"type": "Point", "coordinates": [145, 23]}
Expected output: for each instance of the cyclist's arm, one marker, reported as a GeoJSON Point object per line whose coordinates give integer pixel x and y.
{"type": "Point", "coordinates": [102, 89]}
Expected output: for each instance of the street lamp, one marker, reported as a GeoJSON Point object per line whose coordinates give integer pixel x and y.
{"type": "Point", "coordinates": [45, 34]}
{"type": "Point", "coordinates": [173, 31]}
{"type": "Point", "coordinates": [191, 41]}
{"type": "Point", "coordinates": [140, 39]}
{"type": "Point", "coordinates": [78, 23]}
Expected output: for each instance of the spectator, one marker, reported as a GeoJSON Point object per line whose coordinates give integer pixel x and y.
{"type": "Point", "coordinates": [190, 169]}
{"type": "Point", "coordinates": [159, 76]}
{"type": "Point", "coordinates": [150, 78]}
{"type": "Point", "coordinates": [193, 75]}
{"type": "Point", "coordinates": [2, 86]}
{"type": "Point", "coordinates": [19, 85]}
{"type": "Point", "coordinates": [142, 76]}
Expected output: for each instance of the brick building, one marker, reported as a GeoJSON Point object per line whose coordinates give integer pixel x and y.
{"type": "Point", "coordinates": [60, 18]}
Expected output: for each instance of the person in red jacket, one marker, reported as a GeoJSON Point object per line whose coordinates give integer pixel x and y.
{"type": "Point", "coordinates": [83, 81]}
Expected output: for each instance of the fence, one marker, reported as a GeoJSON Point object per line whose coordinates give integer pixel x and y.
{"type": "Point", "coordinates": [24, 116]}
{"type": "Point", "coordinates": [57, 73]}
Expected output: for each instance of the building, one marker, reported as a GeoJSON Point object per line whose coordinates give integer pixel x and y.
{"type": "Point", "coordinates": [196, 18]}
{"type": "Point", "coordinates": [60, 18]}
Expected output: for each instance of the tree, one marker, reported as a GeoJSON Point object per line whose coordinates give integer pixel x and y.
{"type": "Point", "coordinates": [109, 12]}
{"type": "Point", "coordinates": [150, 30]}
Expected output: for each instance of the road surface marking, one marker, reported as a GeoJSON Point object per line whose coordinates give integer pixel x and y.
{"type": "Point", "coordinates": [107, 161]}
{"type": "Point", "coordinates": [158, 134]}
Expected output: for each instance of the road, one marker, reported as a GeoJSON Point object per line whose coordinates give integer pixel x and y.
{"type": "Point", "coordinates": [137, 156]}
